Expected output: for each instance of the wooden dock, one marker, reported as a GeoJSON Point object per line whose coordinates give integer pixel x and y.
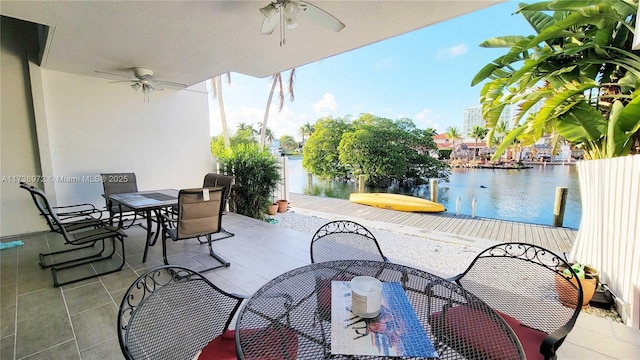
{"type": "Point", "coordinates": [557, 239]}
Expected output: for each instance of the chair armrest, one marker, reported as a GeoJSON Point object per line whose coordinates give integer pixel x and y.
{"type": "Point", "coordinates": [78, 210]}
{"type": "Point", "coordinates": [553, 341]}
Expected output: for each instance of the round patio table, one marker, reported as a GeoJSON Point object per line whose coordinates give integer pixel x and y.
{"type": "Point", "coordinates": [297, 305]}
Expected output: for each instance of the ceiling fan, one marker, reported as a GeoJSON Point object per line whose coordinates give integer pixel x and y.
{"type": "Point", "coordinates": [143, 80]}
{"type": "Point", "coordinates": [284, 13]}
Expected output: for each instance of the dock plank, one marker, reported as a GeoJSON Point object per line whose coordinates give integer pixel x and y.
{"type": "Point", "coordinates": [555, 239]}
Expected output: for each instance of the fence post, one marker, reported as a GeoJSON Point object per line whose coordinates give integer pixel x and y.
{"type": "Point", "coordinates": [458, 200]}
{"type": "Point", "coordinates": [360, 183]}
{"type": "Point", "coordinates": [559, 205]}
{"type": "Point", "coordinates": [433, 188]}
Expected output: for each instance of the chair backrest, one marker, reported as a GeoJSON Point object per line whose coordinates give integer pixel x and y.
{"type": "Point", "coordinates": [197, 215]}
{"type": "Point", "coordinates": [171, 312]}
{"type": "Point", "coordinates": [45, 209]}
{"type": "Point", "coordinates": [344, 240]}
{"type": "Point", "coordinates": [525, 281]}
{"type": "Point", "coordinates": [117, 183]}
{"type": "Point", "coordinates": [213, 180]}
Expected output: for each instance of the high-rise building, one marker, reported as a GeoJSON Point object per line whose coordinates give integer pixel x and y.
{"type": "Point", "coordinates": [472, 116]}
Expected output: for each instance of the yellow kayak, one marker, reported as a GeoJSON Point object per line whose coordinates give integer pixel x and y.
{"type": "Point", "coordinates": [396, 202]}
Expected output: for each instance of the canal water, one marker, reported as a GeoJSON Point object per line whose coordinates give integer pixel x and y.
{"type": "Point", "coordinates": [525, 195]}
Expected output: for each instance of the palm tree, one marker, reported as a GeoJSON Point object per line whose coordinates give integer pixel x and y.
{"type": "Point", "coordinates": [276, 79]}
{"type": "Point", "coordinates": [579, 69]}
{"type": "Point", "coordinates": [269, 136]}
{"type": "Point", "coordinates": [216, 90]}
{"type": "Point", "coordinates": [477, 132]}
{"type": "Point", "coordinates": [453, 134]}
{"type": "Point", "coordinates": [306, 130]}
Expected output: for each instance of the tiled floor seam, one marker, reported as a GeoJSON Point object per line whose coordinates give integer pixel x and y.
{"type": "Point", "coordinates": [73, 330]}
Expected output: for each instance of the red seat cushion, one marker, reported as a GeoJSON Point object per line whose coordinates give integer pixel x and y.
{"type": "Point", "coordinates": [473, 327]}
{"type": "Point", "coordinates": [223, 347]}
{"type": "Point", "coordinates": [530, 338]}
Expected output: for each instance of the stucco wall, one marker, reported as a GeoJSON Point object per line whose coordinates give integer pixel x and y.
{"type": "Point", "coordinates": [18, 144]}
{"type": "Point", "coordinates": [96, 127]}
{"type": "Point", "coordinates": [87, 126]}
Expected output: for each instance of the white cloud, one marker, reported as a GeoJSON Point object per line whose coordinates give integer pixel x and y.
{"type": "Point", "coordinates": [425, 119]}
{"type": "Point", "coordinates": [326, 104]}
{"type": "Point", "coordinates": [453, 51]}
{"type": "Point", "coordinates": [383, 64]}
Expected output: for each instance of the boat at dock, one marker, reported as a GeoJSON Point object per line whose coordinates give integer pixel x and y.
{"type": "Point", "coordinates": [396, 202]}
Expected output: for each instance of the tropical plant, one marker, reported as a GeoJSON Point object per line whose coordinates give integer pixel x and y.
{"type": "Point", "coordinates": [276, 80]}
{"type": "Point", "coordinates": [256, 174]}
{"type": "Point", "coordinates": [320, 152]}
{"type": "Point", "coordinates": [579, 69]}
{"type": "Point", "coordinates": [216, 90]}
{"type": "Point", "coordinates": [288, 143]}
{"type": "Point", "coordinates": [306, 130]}
{"type": "Point", "coordinates": [453, 134]}
{"type": "Point", "coordinates": [386, 150]}
{"type": "Point", "coordinates": [477, 132]}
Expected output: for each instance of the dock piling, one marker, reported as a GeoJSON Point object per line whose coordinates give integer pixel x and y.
{"type": "Point", "coordinates": [559, 205]}
{"type": "Point", "coordinates": [433, 188]}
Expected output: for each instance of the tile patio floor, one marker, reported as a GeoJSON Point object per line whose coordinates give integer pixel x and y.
{"type": "Point", "coordinates": [78, 321]}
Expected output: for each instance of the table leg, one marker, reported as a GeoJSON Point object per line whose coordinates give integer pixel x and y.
{"type": "Point", "coordinates": [149, 236]}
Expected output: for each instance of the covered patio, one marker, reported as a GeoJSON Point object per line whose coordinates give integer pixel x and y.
{"type": "Point", "coordinates": [63, 123]}
{"type": "Point", "coordinates": [78, 321]}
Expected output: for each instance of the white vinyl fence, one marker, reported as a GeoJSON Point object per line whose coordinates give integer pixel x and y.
{"type": "Point", "coordinates": [609, 234]}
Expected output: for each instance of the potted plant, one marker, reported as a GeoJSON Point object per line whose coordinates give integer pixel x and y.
{"type": "Point", "coordinates": [256, 175]}
{"type": "Point", "coordinates": [575, 80]}
{"type": "Point", "coordinates": [273, 208]}
{"type": "Point", "coordinates": [587, 276]}
{"type": "Point", "coordinates": [283, 204]}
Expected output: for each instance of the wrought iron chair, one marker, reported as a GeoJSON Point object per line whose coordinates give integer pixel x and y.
{"type": "Point", "coordinates": [199, 214]}
{"type": "Point", "coordinates": [525, 284]}
{"type": "Point", "coordinates": [226, 181]}
{"type": "Point", "coordinates": [344, 240]}
{"type": "Point", "coordinates": [118, 183]}
{"type": "Point", "coordinates": [81, 234]}
{"type": "Point", "coordinates": [173, 312]}
{"type": "Point", "coordinates": [340, 240]}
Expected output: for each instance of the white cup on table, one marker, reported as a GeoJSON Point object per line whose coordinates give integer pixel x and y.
{"type": "Point", "coordinates": [366, 296]}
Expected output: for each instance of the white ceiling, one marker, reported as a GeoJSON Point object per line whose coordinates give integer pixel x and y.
{"type": "Point", "coordinates": [190, 41]}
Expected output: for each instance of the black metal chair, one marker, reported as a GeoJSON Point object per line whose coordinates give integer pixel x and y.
{"type": "Point", "coordinates": [118, 183]}
{"type": "Point", "coordinates": [172, 312]}
{"type": "Point", "coordinates": [75, 217]}
{"type": "Point", "coordinates": [226, 181]}
{"type": "Point", "coordinates": [199, 214]}
{"type": "Point", "coordinates": [525, 284]}
{"type": "Point", "coordinates": [344, 240]}
{"type": "Point", "coordinates": [81, 234]}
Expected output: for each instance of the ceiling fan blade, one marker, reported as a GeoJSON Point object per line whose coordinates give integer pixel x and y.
{"type": "Point", "coordinates": [171, 84]}
{"type": "Point", "coordinates": [121, 81]}
{"type": "Point", "coordinates": [320, 16]}
{"type": "Point", "coordinates": [270, 24]}
{"type": "Point", "coordinates": [112, 74]}
{"type": "Point", "coordinates": [154, 85]}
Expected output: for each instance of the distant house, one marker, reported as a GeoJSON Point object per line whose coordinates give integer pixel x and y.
{"type": "Point", "coordinates": [470, 146]}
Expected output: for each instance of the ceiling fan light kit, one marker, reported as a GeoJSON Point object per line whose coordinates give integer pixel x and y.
{"type": "Point", "coordinates": [284, 14]}
{"type": "Point", "coordinates": [143, 79]}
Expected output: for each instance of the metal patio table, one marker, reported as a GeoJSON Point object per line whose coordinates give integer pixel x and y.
{"type": "Point", "coordinates": [150, 202]}
{"type": "Point", "coordinates": [296, 301]}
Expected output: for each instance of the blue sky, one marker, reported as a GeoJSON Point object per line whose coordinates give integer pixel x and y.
{"type": "Point", "coordinates": [424, 75]}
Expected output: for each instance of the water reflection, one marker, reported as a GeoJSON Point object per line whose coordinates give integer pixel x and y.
{"type": "Point", "coordinates": [525, 195]}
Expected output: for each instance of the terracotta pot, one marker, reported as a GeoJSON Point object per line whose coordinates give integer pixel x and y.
{"type": "Point", "coordinates": [273, 209]}
{"type": "Point", "coordinates": [282, 206]}
{"type": "Point", "coordinates": [567, 294]}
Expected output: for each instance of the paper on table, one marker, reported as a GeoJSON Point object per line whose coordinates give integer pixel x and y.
{"type": "Point", "coordinates": [395, 332]}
